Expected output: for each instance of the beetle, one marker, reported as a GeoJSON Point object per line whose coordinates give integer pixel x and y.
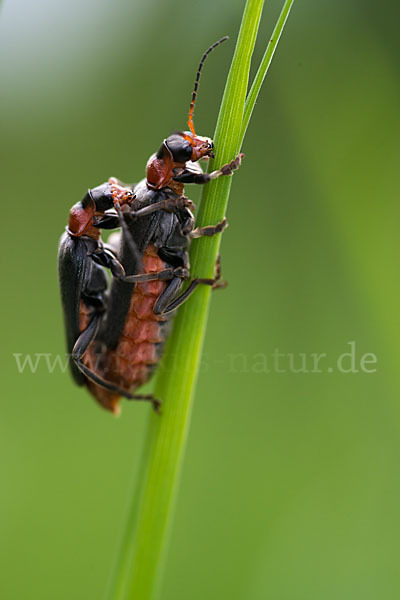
{"type": "Point", "coordinates": [116, 345]}
{"type": "Point", "coordinates": [82, 259]}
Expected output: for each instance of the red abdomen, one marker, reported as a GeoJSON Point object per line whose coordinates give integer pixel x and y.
{"type": "Point", "coordinates": [130, 365]}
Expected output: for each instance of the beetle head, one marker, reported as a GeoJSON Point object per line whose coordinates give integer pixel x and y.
{"type": "Point", "coordinates": [202, 147]}
{"type": "Point", "coordinates": [185, 146]}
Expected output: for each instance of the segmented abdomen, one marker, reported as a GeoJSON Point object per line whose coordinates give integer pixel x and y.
{"type": "Point", "coordinates": [139, 348]}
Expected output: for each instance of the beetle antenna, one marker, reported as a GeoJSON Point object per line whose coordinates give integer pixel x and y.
{"type": "Point", "coordinates": [196, 83]}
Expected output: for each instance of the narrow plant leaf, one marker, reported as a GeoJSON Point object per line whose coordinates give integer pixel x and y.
{"type": "Point", "coordinates": [264, 66]}
{"type": "Point", "coordinates": [141, 559]}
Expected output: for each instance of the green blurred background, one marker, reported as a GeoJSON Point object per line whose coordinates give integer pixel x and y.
{"type": "Point", "coordinates": [291, 485]}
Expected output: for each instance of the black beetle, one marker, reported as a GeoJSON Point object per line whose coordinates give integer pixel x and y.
{"type": "Point", "coordinates": [116, 335]}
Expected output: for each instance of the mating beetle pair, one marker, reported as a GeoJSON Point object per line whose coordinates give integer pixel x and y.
{"type": "Point", "coordinates": [116, 332]}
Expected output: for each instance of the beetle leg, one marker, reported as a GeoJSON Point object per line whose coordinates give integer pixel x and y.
{"type": "Point", "coordinates": [164, 305]}
{"type": "Point", "coordinates": [128, 236]}
{"type": "Point", "coordinates": [109, 221]}
{"type": "Point", "coordinates": [78, 351]}
{"type": "Point", "coordinates": [164, 301]}
{"type": "Point", "coordinates": [188, 176]}
{"type": "Point", "coordinates": [218, 282]}
{"type": "Point", "coordinates": [229, 168]}
{"type": "Point", "coordinates": [169, 204]}
{"type": "Point", "coordinates": [209, 230]}
{"type": "Point", "coordinates": [113, 221]}
{"type": "Point", "coordinates": [106, 258]}
{"type": "Point", "coordinates": [147, 398]}
{"type": "Point", "coordinates": [178, 272]}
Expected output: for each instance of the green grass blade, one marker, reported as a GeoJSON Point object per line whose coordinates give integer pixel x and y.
{"type": "Point", "coordinates": [141, 560]}
{"type": "Point", "coordinates": [264, 66]}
